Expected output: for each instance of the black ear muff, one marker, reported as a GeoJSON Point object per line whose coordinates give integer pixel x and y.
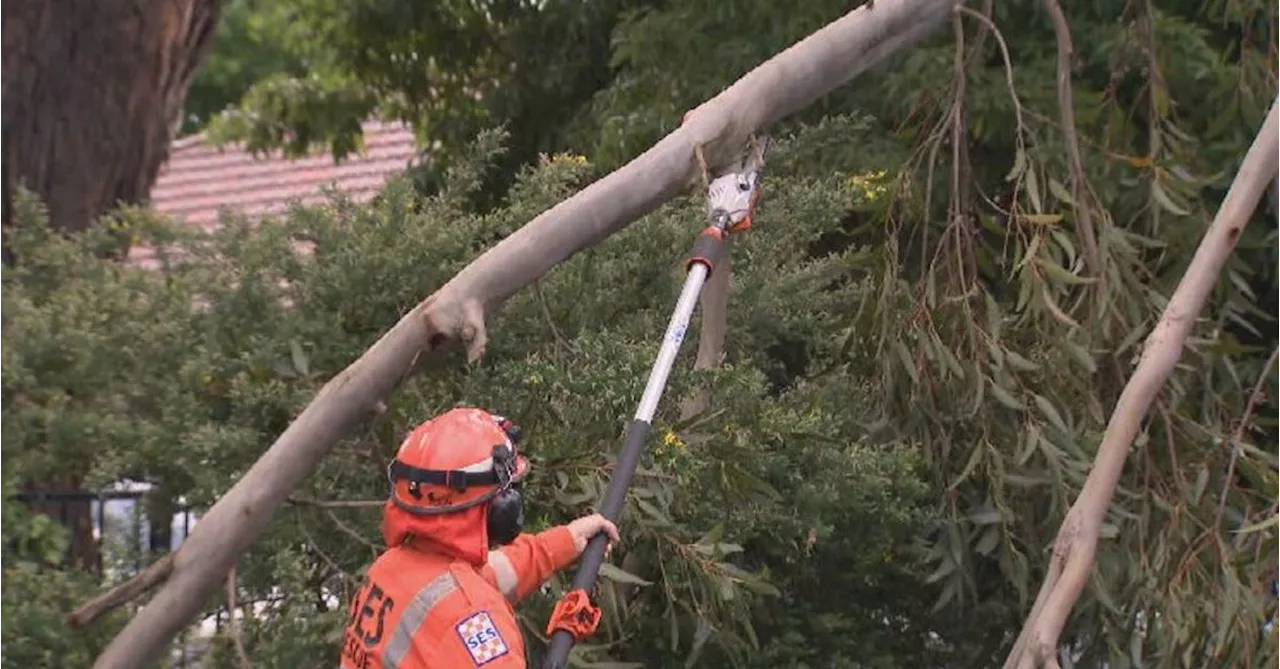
{"type": "Point", "coordinates": [506, 515]}
{"type": "Point", "coordinates": [506, 509]}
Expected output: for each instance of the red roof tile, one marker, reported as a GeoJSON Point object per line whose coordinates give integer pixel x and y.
{"type": "Point", "coordinates": [199, 179]}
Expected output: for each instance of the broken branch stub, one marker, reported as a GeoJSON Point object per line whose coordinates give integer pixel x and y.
{"type": "Point", "coordinates": [455, 313]}
{"type": "Point", "coordinates": [1076, 545]}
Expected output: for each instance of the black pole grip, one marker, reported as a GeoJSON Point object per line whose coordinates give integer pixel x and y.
{"type": "Point", "coordinates": [593, 556]}
{"type": "Point", "coordinates": [708, 249]}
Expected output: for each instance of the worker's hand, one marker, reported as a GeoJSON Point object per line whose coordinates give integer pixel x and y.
{"type": "Point", "coordinates": [586, 527]}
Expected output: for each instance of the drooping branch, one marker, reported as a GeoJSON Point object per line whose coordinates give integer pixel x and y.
{"type": "Point", "coordinates": [1242, 427]}
{"type": "Point", "coordinates": [790, 81]}
{"type": "Point", "coordinates": [1067, 117]}
{"type": "Point", "coordinates": [1076, 545]}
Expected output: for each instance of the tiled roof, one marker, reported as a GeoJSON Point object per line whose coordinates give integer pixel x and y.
{"type": "Point", "coordinates": [198, 180]}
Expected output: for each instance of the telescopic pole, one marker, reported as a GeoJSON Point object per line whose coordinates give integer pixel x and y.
{"type": "Point", "coordinates": [732, 198]}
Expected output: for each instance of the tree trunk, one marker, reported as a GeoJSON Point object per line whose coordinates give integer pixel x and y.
{"type": "Point", "coordinates": [92, 90]}
{"type": "Point", "coordinates": [456, 313]}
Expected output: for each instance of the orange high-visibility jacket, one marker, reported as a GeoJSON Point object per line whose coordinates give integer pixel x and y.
{"type": "Point", "coordinates": [421, 609]}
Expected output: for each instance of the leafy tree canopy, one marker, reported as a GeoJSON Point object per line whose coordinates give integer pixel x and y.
{"type": "Point", "coordinates": [924, 342]}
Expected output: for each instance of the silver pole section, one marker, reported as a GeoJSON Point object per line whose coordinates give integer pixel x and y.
{"type": "Point", "coordinates": [671, 342]}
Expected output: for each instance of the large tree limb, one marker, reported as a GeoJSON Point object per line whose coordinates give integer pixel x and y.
{"type": "Point", "coordinates": [1076, 545]}
{"type": "Point", "coordinates": [793, 79]}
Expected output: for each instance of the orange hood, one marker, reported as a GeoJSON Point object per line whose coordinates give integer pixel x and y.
{"type": "Point", "coordinates": [462, 536]}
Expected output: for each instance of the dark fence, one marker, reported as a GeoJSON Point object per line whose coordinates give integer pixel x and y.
{"type": "Point", "coordinates": [127, 540]}
{"type": "Point", "coordinates": [127, 521]}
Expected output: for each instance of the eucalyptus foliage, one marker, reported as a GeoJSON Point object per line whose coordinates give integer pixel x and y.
{"type": "Point", "coordinates": [181, 376]}
{"type": "Point", "coordinates": [920, 362]}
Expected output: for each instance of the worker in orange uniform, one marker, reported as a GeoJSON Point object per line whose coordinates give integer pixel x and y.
{"type": "Point", "coordinates": [439, 598]}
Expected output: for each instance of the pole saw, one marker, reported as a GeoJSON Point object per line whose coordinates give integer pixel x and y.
{"type": "Point", "coordinates": [731, 199]}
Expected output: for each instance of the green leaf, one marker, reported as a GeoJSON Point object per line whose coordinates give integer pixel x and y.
{"type": "Point", "coordinates": [1050, 412]}
{"type": "Point", "coordinates": [1059, 191]}
{"type": "Point", "coordinates": [1020, 363]}
{"type": "Point", "coordinates": [1057, 273]}
{"type": "Point", "coordinates": [945, 569]}
{"type": "Point", "coordinates": [617, 575]}
{"type": "Point", "coordinates": [985, 516]}
{"type": "Point", "coordinates": [1042, 219]}
{"type": "Point", "coordinates": [1259, 526]}
{"type": "Point", "coordinates": [653, 512]}
{"type": "Point", "coordinates": [1033, 192]}
{"type": "Point", "coordinates": [750, 581]}
{"type": "Point", "coordinates": [975, 458]}
{"type": "Point", "coordinates": [1162, 198]}
{"type": "Point", "coordinates": [1057, 312]}
{"type": "Point", "coordinates": [1080, 355]}
{"type": "Point", "coordinates": [1201, 482]}
{"type": "Point", "coordinates": [713, 536]}
{"type": "Point", "coordinates": [905, 357]}
{"type": "Point", "coordinates": [988, 541]}
{"type": "Point", "coordinates": [1005, 397]}
{"type": "Point", "coordinates": [300, 361]}
{"type": "Point", "coordinates": [1019, 165]}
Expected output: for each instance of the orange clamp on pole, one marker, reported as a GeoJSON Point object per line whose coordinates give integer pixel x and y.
{"type": "Point", "coordinates": [575, 614]}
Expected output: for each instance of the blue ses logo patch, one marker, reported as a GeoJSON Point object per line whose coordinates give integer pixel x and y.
{"type": "Point", "coordinates": [481, 637]}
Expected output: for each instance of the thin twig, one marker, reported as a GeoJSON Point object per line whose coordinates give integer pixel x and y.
{"type": "Point", "coordinates": [1008, 71]}
{"type": "Point", "coordinates": [551, 322]}
{"type": "Point", "coordinates": [338, 503]}
{"type": "Point", "coordinates": [131, 589]}
{"type": "Point", "coordinates": [1238, 436]}
{"type": "Point", "coordinates": [333, 564]}
{"type": "Point", "coordinates": [232, 626]}
{"type": "Point", "coordinates": [349, 531]}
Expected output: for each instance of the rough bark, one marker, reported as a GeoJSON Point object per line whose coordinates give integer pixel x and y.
{"type": "Point", "coordinates": [91, 89]}
{"type": "Point", "coordinates": [1076, 545]}
{"type": "Point", "coordinates": [456, 313]}
{"type": "Point", "coordinates": [92, 92]}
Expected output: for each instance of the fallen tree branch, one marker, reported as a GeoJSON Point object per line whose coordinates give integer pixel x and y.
{"type": "Point", "coordinates": [720, 127]}
{"type": "Point", "coordinates": [1076, 545]}
{"type": "Point", "coordinates": [122, 594]}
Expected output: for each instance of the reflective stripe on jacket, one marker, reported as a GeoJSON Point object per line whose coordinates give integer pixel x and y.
{"type": "Point", "coordinates": [423, 610]}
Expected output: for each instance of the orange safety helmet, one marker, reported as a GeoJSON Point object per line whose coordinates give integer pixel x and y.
{"type": "Point", "coordinates": [455, 475]}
